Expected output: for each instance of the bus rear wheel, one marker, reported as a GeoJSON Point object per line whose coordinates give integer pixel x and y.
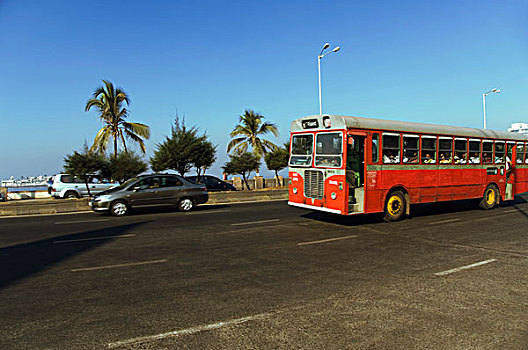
{"type": "Point", "coordinates": [395, 206]}
{"type": "Point", "coordinates": [490, 198]}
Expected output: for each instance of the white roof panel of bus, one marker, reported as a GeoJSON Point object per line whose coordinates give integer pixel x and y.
{"type": "Point", "coordinates": [341, 122]}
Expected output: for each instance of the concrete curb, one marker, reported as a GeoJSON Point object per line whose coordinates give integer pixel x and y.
{"type": "Point", "coordinates": [60, 206]}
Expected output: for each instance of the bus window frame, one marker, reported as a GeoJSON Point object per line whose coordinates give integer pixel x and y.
{"type": "Point", "coordinates": [450, 160]}
{"type": "Point", "coordinates": [455, 151]}
{"type": "Point", "coordinates": [377, 161]}
{"type": "Point", "coordinates": [492, 157]}
{"type": "Point", "coordinates": [503, 161]}
{"type": "Point", "coordinates": [435, 152]}
{"type": "Point", "coordinates": [479, 152]}
{"type": "Point", "coordinates": [312, 156]}
{"type": "Point", "coordinates": [340, 155]}
{"type": "Point", "coordinates": [383, 148]}
{"type": "Point", "coordinates": [403, 149]}
{"type": "Point", "coordinates": [523, 158]}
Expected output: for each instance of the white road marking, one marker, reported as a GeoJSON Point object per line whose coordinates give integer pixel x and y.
{"type": "Point", "coordinates": [188, 331]}
{"type": "Point", "coordinates": [447, 272]}
{"type": "Point", "coordinates": [94, 238]}
{"type": "Point", "coordinates": [120, 265]}
{"type": "Point", "coordinates": [208, 212]}
{"type": "Point", "coordinates": [444, 221]}
{"type": "Point", "coordinates": [510, 211]}
{"type": "Point", "coordinates": [326, 240]}
{"type": "Point", "coordinates": [79, 222]}
{"type": "Point", "coordinates": [255, 222]}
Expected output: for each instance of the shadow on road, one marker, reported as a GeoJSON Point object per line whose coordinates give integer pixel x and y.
{"type": "Point", "coordinates": [417, 210]}
{"type": "Point", "coordinates": [23, 260]}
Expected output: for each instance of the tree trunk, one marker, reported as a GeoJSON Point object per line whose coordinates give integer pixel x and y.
{"type": "Point", "coordinates": [247, 185]}
{"type": "Point", "coordinates": [277, 177]}
{"type": "Point", "coordinates": [87, 187]}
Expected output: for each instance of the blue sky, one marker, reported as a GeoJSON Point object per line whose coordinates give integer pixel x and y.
{"type": "Point", "coordinates": [423, 61]}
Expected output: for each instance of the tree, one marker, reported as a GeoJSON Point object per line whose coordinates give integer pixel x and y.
{"type": "Point", "coordinates": [248, 133]}
{"type": "Point", "coordinates": [109, 101]}
{"type": "Point", "coordinates": [277, 160]}
{"type": "Point", "coordinates": [204, 157]}
{"type": "Point", "coordinates": [242, 164]}
{"type": "Point", "coordinates": [184, 150]}
{"type": "Point", "coordinates": [83, 164]}
{"type": "Point", "coordinates": [125, 166]}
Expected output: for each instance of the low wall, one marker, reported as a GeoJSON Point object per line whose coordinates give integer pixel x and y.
{"type": "Point", "coordinates": [55, 206]}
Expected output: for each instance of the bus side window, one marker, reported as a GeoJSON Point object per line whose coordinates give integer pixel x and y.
{"type": "Point", "coordinates": [428, 150]}
{"type": "Point", "coordinates": [487, 152]}
{"type": "Point", "coordinates": [520, 153]}
{"type": "Point", "coordinates": [375, 148]}
{"type": "Point", "coordinates": [410, 148]}
{"type": "Point", "coordinates": [460, 151]}
{"type": "Point", "coordinates": [500, 152]}
{"type": "Point", "coordinates": [445, 150]}
{"type": "Point", "coordinates": [391, 148]}
{"type": "Point", "coordinates": [474, 151]}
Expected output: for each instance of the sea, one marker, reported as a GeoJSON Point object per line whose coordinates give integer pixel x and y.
{"type": "Point", "coordinates": [27, 188]}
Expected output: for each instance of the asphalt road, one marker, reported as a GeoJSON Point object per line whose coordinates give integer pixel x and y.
{"type": "Point", "coordinates": [266, 276]}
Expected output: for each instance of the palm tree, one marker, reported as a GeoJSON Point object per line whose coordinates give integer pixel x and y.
{"type": "Point", "coordinates": [109, 103]}
{"type": "Point", "coordinates": [247, 133]}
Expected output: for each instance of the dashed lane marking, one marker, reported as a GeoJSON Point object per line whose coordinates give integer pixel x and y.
{"type": "Point", "coordinates": [188, 331]}
{"type": "Point", "coordinates": [458, 269]}
{"type": "Point", "coordinates": [326, 240]}
{"type": "Point", "coordinates": [255, 222]}
{"type": "Point", "coordinates": [79, 222]}
{"type": "Point", "coordinates": [120, 265]}
{"type": "Point", "coordinates": [444, 221]}
{"type": "Point", "coordinates": [94, 238]}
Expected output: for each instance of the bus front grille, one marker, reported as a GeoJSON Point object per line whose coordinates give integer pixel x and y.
{"type": "Point", "coordinates": [313, 184]}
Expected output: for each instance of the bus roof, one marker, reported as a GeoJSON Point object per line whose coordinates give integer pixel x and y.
{"type": "Point", "coordinates": [349, 122]}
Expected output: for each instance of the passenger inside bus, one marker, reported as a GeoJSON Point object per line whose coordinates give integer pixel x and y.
{"type": "Point", "coordinates": [475, 159]}
{"type": "Point", "coordinates": [389, 157]}
{"type": "Point", "coordinates": [486, 158]}
{"type": "Point", "coordinates": [411, 158]}
{"type": "Point", "coordinates": [443, 159]}
{"type": "Point", "coordinates": [428, 159]}
{"type": "Point", "coordinates": [355, 161]}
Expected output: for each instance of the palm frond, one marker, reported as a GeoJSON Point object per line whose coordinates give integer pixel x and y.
{"type": "Point", "coordinates": [139, 129]}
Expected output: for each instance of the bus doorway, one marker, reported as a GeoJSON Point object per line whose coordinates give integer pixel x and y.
{"type": "Point", "coordinates": [355, 173]}
{"type": "Point", "coordinates": [510, 171]}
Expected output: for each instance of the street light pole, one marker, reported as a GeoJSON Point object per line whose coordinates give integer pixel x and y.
{"type": "Point", "coordinates": [319, 57]}
{"type": "Point", "coordinates": [484, 102]}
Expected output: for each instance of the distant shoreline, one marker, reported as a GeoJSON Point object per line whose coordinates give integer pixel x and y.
{"type": "Point", "coordinates": [27, 188]}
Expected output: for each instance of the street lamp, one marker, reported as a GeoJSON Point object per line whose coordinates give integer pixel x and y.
{"type": "Point", "coordinates": [319, 57]}
{"type": "Point", "coordinates": [484, 102]}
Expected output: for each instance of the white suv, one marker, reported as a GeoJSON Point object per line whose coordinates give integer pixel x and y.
{"type": "Point", "coordinates": [68, 186]}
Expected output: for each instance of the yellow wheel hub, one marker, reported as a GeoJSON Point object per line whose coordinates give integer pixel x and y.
{"type": "Point", "coordinates": [490, 197]}
{"type": "Point", "coordinates": [394, 206]}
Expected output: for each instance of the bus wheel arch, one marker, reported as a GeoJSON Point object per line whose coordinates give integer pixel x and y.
{"type": "Point", "coordinates": [491, 197]}
{"type": "Point", "coordinates": [397, 204]}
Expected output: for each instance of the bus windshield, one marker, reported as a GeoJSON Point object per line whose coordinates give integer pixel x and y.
{"type": "Point", "coordinates": [302, 150]}
{"type": "Point", "coordinates": [329, 148]}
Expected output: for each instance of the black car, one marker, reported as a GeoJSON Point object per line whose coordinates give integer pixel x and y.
{"type": "Point", "coordinates": [213, 183]}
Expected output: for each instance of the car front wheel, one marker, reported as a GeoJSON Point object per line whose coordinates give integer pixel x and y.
{"type": "Point", "coordinates": [118, 208]}
{"type": "Point", "coordinates": [185, 204]}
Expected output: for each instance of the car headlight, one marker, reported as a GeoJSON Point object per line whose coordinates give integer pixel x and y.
{"type": "Point", "coordinates": [333, 195]}
{"type": "Point", "coordinates": [105, 197]}
{"type": "Point", "coordinates": [295, 190]}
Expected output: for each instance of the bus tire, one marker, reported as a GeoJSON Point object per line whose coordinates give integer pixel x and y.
{"type": "Point", "coordinates": [489, 200]}
{"type": "Point", "coordinates": [395, 206]}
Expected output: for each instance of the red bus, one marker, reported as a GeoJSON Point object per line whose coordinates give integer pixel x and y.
{"type": "Point", "coordinates": [353, 165]}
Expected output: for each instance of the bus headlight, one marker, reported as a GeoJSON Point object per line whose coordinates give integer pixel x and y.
{"type": "Point", "coordinates": [295, 190]}
{"type": "Point", "coordinates": [333, 195]}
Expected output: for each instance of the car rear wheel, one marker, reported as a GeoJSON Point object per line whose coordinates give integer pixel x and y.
{"type": "Point", "coordinates": [118, 208]}
{"type": "Point", "coordinates": [185, 204]}
{"type": "Point", "coordinates": [70, 194]}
